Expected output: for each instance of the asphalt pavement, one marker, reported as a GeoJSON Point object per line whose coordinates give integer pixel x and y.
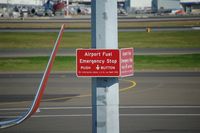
{"type": "Point", "coordinates": [72, 52]}
{"type": "Point", "coordinates": [124, 19]}
{"type": "Point", "coordinates": [130, 29]}
{"type": "Point", "coordinates": [150, 102]}
{"type": "Point", "coordinates": [87, 19]}
{"type": "Point", "coordinates": [157, 102]}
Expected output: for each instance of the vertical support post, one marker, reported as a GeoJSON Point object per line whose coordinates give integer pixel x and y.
{"type": "Point", "coordinates": [105, 91]}
{"type": "Point", "coordinates": [67, 8]}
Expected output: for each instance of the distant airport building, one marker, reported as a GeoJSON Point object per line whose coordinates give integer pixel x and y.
{"type": "Point", "coordinates": [87, 1]}
{"type": "Point", "coordinates": [191, 6]}
{"type": "Point", "coordinates": [138, 3]}
{"type": "Point", "coordinates": [22, 2]}
{"type": "Point", "coordinates": [163, 6]}
{"type": "Point", "coordinates": [138, 6]}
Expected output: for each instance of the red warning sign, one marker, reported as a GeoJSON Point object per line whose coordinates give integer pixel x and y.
{"type": "Point", "coordinates": [104, 62]}
{"type": "Point", "coordinates": [127, 61]}
{"type": "Point", "coordinates": [97, 63]}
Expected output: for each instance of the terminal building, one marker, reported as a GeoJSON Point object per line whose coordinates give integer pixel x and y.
{"type": "Point", "coordinates": [138, 6]}
{"type": "Point", "coordinates": [50, 7]}
{"type": "Point", "coordinates": [22, 2]}
{"type": "Point", "coordinates": [74, 7]}
{"type": "Point", "coordinates": [191, 6]}
{"type": "Point", "coordinates": [42, 2]}
{"type": "Point", "coordinates": [138, 3]}
{"type": "Point", "coordinates": [164, 6]}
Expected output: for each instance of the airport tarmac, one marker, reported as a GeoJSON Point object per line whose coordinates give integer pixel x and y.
{"type": "Point", "coordinates": [150, 102]}
{"type": "Point", "coordinates": [88, 19]}
{"type": "Point", "coordinates": [72, 52]}
{"type": "Point", "coordinates": [158, 102]}
{"type": "Point", "coordinates": [130, 29]}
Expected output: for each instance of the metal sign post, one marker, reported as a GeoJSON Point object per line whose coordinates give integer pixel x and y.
{"type": "Point", "coordinates": [105, 91]}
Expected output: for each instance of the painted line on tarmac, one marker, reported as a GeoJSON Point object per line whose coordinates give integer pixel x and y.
{"type": "Point", "coordinates": [121, 107]}
{"type": "Point", "coordinates": [122, 115]}
{"type": "Point", "coordinates": [133, 84]}
{"type": "Point", "coordinates": [160, 115]}
{"type": "Point", "coordinates": [196, 28]}
{"type": "Point", "coordinates": [159, 107]}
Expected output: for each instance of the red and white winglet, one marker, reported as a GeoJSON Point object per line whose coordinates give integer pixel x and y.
{"type": "Point", "coordinates": [41, 88]}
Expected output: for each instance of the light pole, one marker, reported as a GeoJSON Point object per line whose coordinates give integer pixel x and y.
{"type": "Point", "coordinates": [105, 91]}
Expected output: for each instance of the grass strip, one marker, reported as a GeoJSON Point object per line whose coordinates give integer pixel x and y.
{"type": "Point", "coordinates": [153, 62]}
{"type": "Point", "coordinates": [88, 25]}
{"type": "Point", "coordinates": [168, 62]}
{"type": "Point", "coordinates": [36, 64]}
{"type": "Point", "coordinates": [168, 39]}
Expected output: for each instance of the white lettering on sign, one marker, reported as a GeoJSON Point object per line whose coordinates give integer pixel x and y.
{"type": "Point", "coordinates": [107, 68]}
{"type": "Point", "coordinates": [92, 61]}
{"type": "Point", "coordinates": [111, 61]}
{"type": "Point", "coordinates": [107, 54]}
{"type": "Point", "coordinates": [98, 54]}
{"type": "Point", "coordinates": [92, 54]}
{"type": "Point", "coordinates": [85, 67]}
{"type": "Point", "coordinates": [127, 66]}
{"type": "Point", "coordinates": [127, 53]}
{"type": "Point", "coordinates": [127, 60]}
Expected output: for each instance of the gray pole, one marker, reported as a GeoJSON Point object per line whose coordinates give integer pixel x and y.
{"type": "Point", "coordinates": [105, 91]}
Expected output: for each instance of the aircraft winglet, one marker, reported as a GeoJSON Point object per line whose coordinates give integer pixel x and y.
{"type": "Point", "coordinates": [41, 88]}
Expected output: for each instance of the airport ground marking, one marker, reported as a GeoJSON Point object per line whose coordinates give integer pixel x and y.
{"type": "Point", "coordinates": [133, 84]}
{"type": "Point", "coordinates": [121, 107]}
{"type": "Point", "coordinates": [16, 110]}
{"type": "Point", "coordinates": [121, 115]}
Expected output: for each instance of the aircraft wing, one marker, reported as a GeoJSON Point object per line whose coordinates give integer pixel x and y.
{"type": "Point", "coordinates": [41, 88]}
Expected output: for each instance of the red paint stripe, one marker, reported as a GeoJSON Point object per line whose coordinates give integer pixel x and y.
{"type": "Point", "coordinates": [44, 84]}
